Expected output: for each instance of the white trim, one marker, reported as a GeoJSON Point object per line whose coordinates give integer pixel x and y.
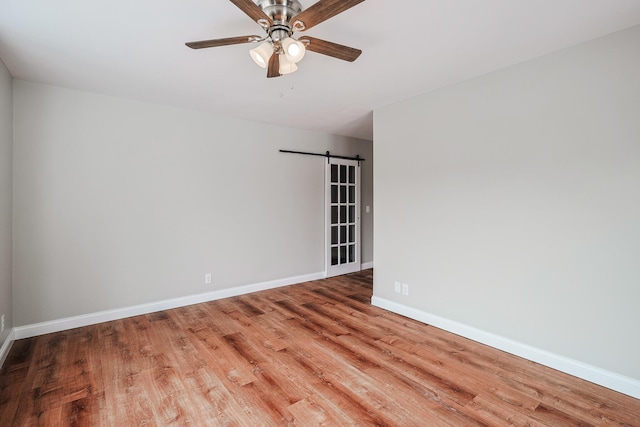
{"type": "Point", "coordinates": [4, 350]}
{"type": "Point", "coordinates": [36, 329]}
{"type": "Point", "coordinates": [612, 380]}
{"type": "Point", "coordinates": [366, 265]}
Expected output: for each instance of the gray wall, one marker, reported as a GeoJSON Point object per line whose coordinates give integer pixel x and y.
{"type": "Point", "coordinates": [6, 194]}
{"type": "Point", "coordinates": [119, 203]}
{"type": "Point", "coordinates": [511, 202]}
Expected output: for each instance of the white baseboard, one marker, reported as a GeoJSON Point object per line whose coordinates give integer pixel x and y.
{"type": "Point", "coordinates": [36, 329]}
{"type": "Point", "coordinates": [366, 265]}
{"type": "Point", "coordinates": [6, 346]}
{"type": "Point", "coordinates": [608, 379]}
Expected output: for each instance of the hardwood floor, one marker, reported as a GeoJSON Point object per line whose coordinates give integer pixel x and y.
{"type": "Point", "coordinates": [311, 354]}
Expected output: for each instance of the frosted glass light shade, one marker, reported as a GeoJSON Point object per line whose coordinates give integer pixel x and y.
{"type": "Point", "coordinates": [286, 66]}
{"type": "Point", "coordinates": [262, 54]}
{"type": "Point", "coordinates": [293, 49]}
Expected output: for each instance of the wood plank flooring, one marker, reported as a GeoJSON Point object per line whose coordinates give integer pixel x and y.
{"type": "Point", "coordinates": [311, 354]}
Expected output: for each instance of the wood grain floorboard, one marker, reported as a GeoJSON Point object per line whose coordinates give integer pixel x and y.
{"type": "Point", "coordinates": [313, 354]}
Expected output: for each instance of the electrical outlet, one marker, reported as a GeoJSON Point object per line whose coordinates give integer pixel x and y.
{"type": "Point", "coordinates": [405, 289]}
{"type": "Point", "coordinates": [207, 279]}
{"type": "Point", "coordinates": [397, 286]}
{"type": "Point", "coordinates": [2, 323]}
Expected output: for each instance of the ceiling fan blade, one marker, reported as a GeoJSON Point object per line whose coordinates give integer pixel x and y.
{"type": "Point", "coordinates": [254, 12]}
{"type": "Point", "coordinates": [273, 70]}
{"type": "Point", "coordinates": [223, 42]}
{"type": "Point", "coordinates": [320, 12]}
{"type": "Point", "coordinates": [324, 47]}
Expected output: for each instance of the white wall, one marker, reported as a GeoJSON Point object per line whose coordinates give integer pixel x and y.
{"type": "Point", "coordinates": [366, 219]}
{"type": "Point", "coordinates": [6, 192]}
{"type": "Point", "coordinates": [511, 203]}
{"type": "Point", "coordinates": [119, 203]}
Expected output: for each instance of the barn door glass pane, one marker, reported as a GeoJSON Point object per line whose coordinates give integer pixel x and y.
{"type": "Point", "coordinates": [336, 196]}
{"type": "Point", "coordinates": [340, 213]}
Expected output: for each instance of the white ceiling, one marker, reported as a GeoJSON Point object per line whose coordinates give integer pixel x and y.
{"type": "Point", "coordinates": [135, 49]}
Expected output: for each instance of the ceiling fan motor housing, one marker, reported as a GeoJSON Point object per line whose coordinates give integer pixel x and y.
{"type": "Point", "coordinates": [281, 12]}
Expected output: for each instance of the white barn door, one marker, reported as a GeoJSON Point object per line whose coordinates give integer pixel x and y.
{"type": "Point", "coordinates": [342, 217]}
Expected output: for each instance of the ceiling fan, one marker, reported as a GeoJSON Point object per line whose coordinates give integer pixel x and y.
{"type": "Point", "coordinates": [280, 52]}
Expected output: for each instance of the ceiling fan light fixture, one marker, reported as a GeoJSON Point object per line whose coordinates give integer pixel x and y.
{"type": "Point", "coordinates": [261, 54]}
{"type": "Point", "coordinates": [293, 49]}
{"type": "Point", "coordinates": [286, 66]}
{"type": "Point", "coordinates": [279, 52]}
